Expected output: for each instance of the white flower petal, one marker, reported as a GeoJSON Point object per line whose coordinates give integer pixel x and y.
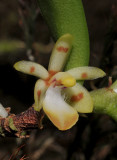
{"type": "Point", "coordinates": [62, 115]}
{"type": "Point", "coordinates": [86, 73]}
{"type": "Point", "coordinates": [79, 98]}
{"type": "Point", "coordinates": [39, 93]}
{"type": "Point", "coordinates": [3, 112]}
{"type": "Point", "coordinates": [60, 53]}
{"type": "Point", "coordinates": [32, 68]}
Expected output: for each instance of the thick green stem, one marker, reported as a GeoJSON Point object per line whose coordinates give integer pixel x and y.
{"type": "Point", "coordinates": [105, 100]}
{"type": "Point", "coordinates": [68, 17]}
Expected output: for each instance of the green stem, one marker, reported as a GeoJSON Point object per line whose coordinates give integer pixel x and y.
{"type": "Point", "coordinates": [68, 17]}
{"type": "Point", "coordinates": [105, 100]}
{"type": "Point", "coordinates": [10, 46]}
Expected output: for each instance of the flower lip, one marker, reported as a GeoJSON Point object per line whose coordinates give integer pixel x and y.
{"type": "Point", "coordinates": [62, 115]}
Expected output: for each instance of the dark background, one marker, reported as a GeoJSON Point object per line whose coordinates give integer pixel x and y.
{"type": "Point", "coordinates": [24, 35]}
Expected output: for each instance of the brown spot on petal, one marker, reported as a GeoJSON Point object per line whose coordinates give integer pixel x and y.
{"type": "Point", "coordinates": [84, 75]}
{"type": "Point", "coordinates": [62, 49]}
{"type": "Point", "coordinates": [32, 69]}
{"type": "Point", "coordinates": [77, 98]}
{"type": "Point", "coordinates": [38, 93]}
{"type": "Point", "coordinates": [47, 83]}
{"type": "Point", "coordinates": [51, 74]}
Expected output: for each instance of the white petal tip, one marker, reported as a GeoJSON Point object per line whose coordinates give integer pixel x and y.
{"type": "Point", "coordinates": [3, 112]}
{"type": "Point", "coordinates": [62, 122]}
{"type": "Point", "coordinates": [16, 66]}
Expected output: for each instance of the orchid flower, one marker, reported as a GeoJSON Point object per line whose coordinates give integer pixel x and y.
{"type": "Point", "coordinates": [57, 92]}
